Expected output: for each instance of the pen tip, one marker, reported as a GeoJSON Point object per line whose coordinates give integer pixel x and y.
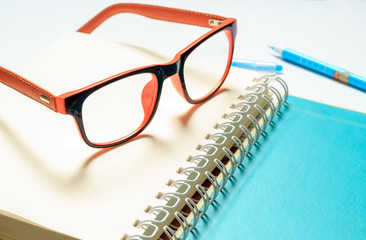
{"type": "Point", "coordinates": [276, 49]}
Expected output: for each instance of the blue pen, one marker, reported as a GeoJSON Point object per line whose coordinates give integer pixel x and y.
{"type": "Point", "coordinates": [336, 73]}
{"type": "Point", "coordinates": [257, 66]}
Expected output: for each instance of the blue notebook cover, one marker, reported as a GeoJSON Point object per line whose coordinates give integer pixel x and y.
{"type": "Point", "coordinates": [306, 179]}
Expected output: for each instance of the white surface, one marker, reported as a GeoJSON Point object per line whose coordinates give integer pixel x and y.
{"type": "Point", "coordinates": [332, 31]}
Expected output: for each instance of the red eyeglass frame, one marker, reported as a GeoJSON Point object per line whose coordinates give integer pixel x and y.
{"type": "Point", "coordinates": [71, 102]}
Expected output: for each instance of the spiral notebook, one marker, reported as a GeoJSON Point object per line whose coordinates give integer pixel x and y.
{"type": "Point", "coordinates": [200, 179]}
{"type": "Point", "coordinates": [53, 179]}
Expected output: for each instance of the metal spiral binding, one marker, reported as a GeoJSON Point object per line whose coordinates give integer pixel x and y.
{"type": "Point", "coordinates": [266, 91]}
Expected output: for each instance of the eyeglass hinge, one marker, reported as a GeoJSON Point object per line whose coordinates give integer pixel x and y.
{"type": "Point", "coordinates": [214, 22]}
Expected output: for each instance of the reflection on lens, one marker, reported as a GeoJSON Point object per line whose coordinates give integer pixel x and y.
{"type": "Point", "coordinates": [205, 67]}
{"type": "Point", "coordinates": [119, 108]}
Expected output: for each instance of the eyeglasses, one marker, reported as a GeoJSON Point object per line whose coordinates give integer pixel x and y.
{"type": "Point", "coordinates": [116, 109]}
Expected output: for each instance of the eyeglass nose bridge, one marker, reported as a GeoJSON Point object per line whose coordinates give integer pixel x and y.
{"type": "Point", "coordinates": [167, 70]}
{"type": "Point", "coordinates": [171, 70]}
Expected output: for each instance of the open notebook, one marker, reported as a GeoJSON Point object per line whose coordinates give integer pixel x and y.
{"type": "Point", "coordinates": [52, 178]}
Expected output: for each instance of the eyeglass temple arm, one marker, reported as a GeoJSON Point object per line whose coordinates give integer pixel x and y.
{"type": "Point", "coordinates": [27, 88]}
{"type": "Point", "coordinates": [154, 12]}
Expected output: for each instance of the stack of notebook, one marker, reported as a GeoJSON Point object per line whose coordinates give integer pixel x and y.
{"type": "Point", "coordinates": [249, 163]}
